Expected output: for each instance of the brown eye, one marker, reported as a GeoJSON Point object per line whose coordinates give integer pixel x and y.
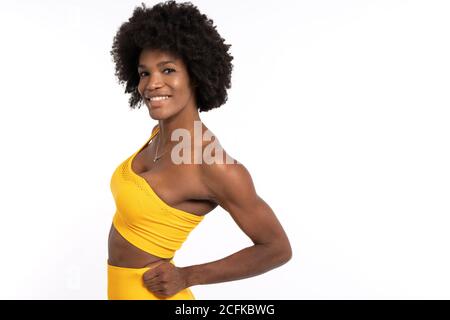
{"type": "Point", "coordinates": [172, 70]}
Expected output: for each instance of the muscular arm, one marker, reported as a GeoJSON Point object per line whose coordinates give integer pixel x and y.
{"type": "Point", "coordinates": [232, 188]}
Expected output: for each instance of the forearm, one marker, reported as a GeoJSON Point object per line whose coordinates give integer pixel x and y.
{"type": "Point", "coordinates": [245, 263]}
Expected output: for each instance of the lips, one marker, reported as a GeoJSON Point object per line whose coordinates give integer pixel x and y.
{"type": "Point", "coordinates": [157, 103]}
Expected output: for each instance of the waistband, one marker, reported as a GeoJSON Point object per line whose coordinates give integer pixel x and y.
{"type": "Point", "coordinates": [153, 265]}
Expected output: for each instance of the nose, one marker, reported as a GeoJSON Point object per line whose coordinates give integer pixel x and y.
{"type": "Point", "coordinates": [154, 82]}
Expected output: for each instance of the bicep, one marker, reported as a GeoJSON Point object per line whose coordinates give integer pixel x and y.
{"type": "Point", "coordinates": [237, 195]}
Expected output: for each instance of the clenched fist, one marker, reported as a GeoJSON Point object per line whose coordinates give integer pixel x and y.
{"type": "Point", "coordinates": [165, 279]}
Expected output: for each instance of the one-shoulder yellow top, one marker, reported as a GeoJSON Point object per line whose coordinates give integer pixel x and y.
{"type": "Point", "coordinates": [143, 218]}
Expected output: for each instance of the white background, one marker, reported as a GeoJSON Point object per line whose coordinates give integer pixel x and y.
{"type": "Point", "coordinates": [339, 110]}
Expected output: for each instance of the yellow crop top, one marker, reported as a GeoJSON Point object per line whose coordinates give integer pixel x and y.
{"type": "Point", "coordinates": [143, 218]}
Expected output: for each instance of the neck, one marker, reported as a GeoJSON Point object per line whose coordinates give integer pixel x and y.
{"type": "Point", "coordinates": [184, 119]}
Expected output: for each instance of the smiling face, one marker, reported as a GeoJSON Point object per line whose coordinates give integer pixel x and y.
{"type": "Point", "coordinates": [164, 84]}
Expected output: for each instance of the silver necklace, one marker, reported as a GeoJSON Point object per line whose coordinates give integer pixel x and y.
{"type": "Point", "coordinates": [156, 158]}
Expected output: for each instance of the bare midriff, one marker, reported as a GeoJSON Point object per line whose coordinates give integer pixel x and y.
{"type": "Point", "coordinates": [121, 253]}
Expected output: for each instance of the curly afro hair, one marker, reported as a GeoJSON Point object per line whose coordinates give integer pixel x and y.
{"type": "Point", "coordinates": [181, 30]}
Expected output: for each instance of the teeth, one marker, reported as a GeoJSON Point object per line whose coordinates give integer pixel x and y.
{"type": "Point", "coordinates": [159, 98]}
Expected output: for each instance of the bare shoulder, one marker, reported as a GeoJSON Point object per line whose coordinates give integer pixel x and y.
{"type": "Point", "coordinates": [227, 180]}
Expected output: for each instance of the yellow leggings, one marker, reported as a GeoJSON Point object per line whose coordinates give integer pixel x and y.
{"type": "Point", "coordinates": [128, 284]}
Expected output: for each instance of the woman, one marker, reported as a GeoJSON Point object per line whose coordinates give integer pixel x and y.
{"type": "Point", "coordinates": [172, 58]}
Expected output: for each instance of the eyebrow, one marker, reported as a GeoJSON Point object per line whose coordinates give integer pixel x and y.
{"type": "Point", "coordinates": [159, 64]}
